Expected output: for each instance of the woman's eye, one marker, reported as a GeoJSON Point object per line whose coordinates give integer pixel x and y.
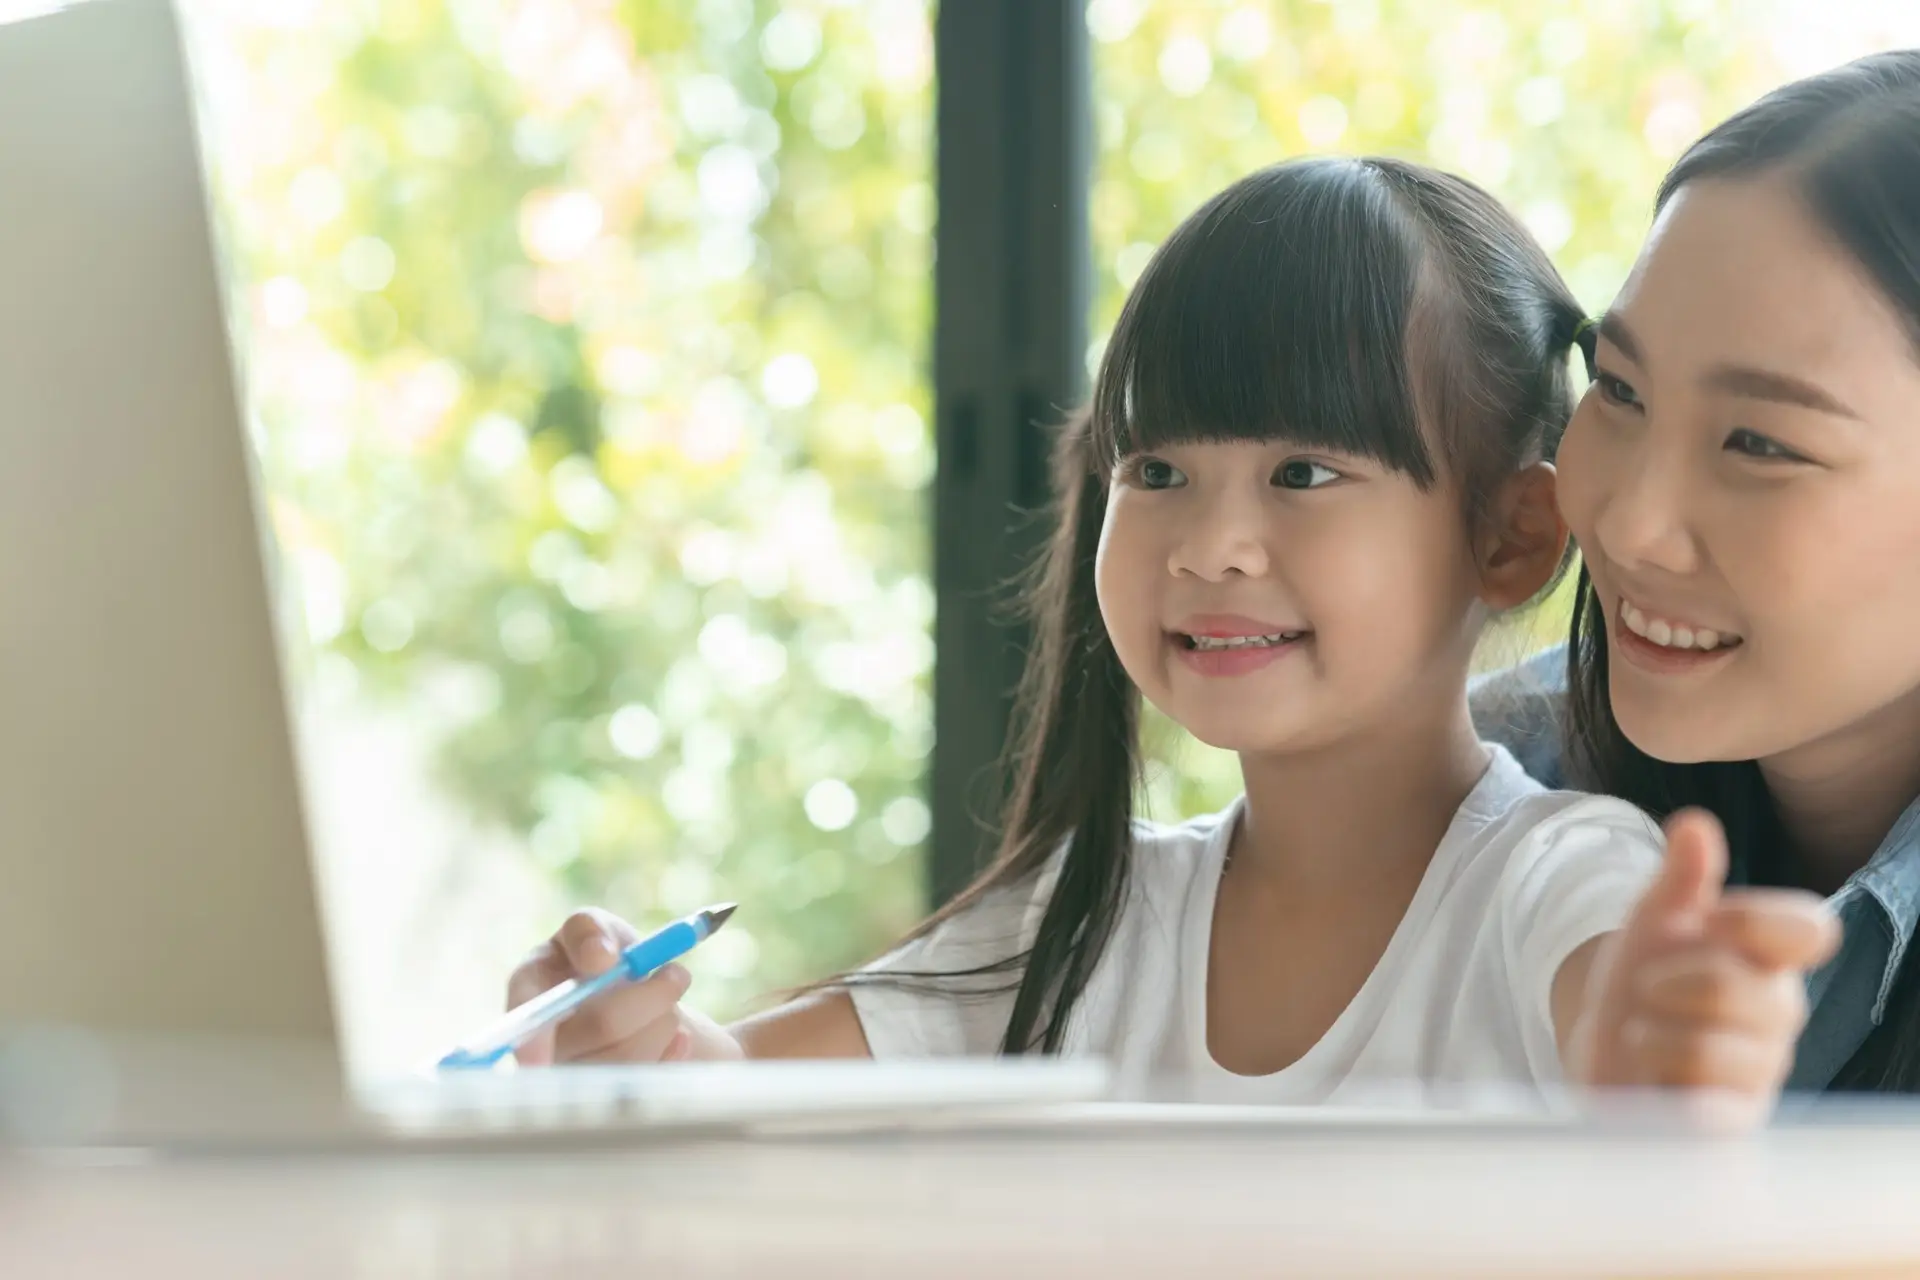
{"type": "Point", "coordinates": [1614, 391]}
{"type": "Point", "coordinates": [1751, 444]}
{"type": "Point", "coordinates": [1156, 473]}
{"type": "Point", "coordinates": [1298, 473]}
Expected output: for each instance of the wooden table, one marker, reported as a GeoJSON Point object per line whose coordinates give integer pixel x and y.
{"type": "Point", "coordinates": [1111, 1202]}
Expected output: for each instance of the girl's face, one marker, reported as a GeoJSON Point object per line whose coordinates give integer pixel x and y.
{"type": "Point", "coordinates": [1272, 599]}
{"type": "Point", "coordinates": [1743, 479]}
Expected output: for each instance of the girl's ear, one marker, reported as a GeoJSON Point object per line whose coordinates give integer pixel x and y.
{"type": "Point", "coordinates": [1525, 539]}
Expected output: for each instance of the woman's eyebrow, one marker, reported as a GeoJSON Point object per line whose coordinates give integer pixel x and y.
{"type": "Point", "coordinates": [1614, 330]}
{"type": "Point", "coordinates": [1746, 381]}
{"type": "Point", "coordinates": [1764, 384]}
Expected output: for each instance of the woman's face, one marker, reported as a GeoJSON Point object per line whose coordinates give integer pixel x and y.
{"type": "Point", "coordinates": [1744, 481]}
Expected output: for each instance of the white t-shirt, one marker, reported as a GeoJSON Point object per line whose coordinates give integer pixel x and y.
{"type": "Point", "coordinates": [1458, 1003]}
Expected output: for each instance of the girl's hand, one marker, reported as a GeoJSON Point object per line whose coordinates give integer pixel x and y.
{"type": "Point", "coordinates": [637, 1022]}
{"type": "Point", "coordinates": [1704, 988]}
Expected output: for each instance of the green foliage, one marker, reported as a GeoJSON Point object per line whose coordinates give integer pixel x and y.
{"type": "Point", "coordinates": [603, 421]}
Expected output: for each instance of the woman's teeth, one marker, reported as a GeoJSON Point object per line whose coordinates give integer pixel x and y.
{"type": "Point", "coordinates": [1205, 643]}
{"type": "Point", "coordinates": [1671, 635]}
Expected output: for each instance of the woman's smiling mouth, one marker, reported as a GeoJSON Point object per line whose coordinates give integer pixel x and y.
{"type": "Point", "coordinates": [1664, 646]}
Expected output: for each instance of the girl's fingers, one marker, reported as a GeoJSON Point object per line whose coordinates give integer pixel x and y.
{"type": "Point", "coordinates": [1714, 987]}
{"type": "Point", "coordinates": [592, 941]}
{"type": "Point", "coordinates": [633, 1022]}
{"type": "Point", "coordinates": [544, 967]}
{"type": "Point", "coordinates": [1685, 1056]}
{"type": "Point", "coordinates": [617, 1017]}
{"type": "Point", "coordinates": [1776, 928]}
{"type": "Point", "coordinates": [651, 1043]}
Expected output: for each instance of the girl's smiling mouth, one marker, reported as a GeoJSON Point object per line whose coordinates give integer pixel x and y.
{"type": "Point", "coordinates": [1233, 645]}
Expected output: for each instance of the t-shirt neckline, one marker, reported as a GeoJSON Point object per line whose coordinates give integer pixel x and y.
{"type": "Point", "coordinates": [1490, 796]}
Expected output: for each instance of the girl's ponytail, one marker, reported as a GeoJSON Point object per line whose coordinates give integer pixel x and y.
{"type": "Point", "coordinates": [1075, 758]}
{"type": "Point", "coordinates": [1071, 764]}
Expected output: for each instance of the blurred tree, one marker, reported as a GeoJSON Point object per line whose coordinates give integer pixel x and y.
{"type": "Point", "coordinates": [588, 340]}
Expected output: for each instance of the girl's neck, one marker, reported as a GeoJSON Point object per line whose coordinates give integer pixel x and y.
{"type": "Point", "coordinates": [1362, 807]}
{"type": "Point", "coordinates": [1840, 796]}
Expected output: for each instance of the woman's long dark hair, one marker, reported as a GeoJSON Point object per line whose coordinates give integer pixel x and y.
{"type": "Point", "coordinates": [1849, 142]}
{"type": "Point", "coordinates": [1335, 303]}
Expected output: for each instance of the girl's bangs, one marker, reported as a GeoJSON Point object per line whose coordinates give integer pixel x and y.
{"type": "Point", "coordinates": [1279, 311]}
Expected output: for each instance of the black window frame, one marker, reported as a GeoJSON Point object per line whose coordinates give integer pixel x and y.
{"type": "Point", "coordinates": [1012, 294]}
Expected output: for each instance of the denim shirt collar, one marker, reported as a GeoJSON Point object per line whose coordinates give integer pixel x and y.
{"type": "Point", "coordinates": [1891, 879]}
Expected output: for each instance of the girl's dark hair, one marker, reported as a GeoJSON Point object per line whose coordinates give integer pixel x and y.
{"type": "Point", "coordinates": [1848, 141]}
{"type": "Point", "coordinates": [1371, 306]}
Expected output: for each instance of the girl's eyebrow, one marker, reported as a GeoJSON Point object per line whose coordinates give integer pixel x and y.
{"type": "Point", "coordinates": [1746, 381]}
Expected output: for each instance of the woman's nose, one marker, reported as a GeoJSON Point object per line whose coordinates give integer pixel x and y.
{"type": "Point", "coordinates": [1645, 522]}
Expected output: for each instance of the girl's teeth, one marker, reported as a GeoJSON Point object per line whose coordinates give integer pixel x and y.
{"type": "Point", "coordinates": [1241, 642]}
{"type": "Point", "coordinates": [1666, 635]}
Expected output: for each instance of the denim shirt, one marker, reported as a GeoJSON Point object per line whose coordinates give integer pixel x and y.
{"type": "Point", "coordinates": [1520, 709]}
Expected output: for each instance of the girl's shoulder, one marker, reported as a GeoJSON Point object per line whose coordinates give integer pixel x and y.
{"type": "Point", "coordinates": [1555, 868]}
{"type": "Point", "coordinates": [1521, 831]}
{"type": "Point", "coordinates": [1547, 815]}
{"type": "Point", "coordinates": [1533, 873]}
{"type": "Point", "coordinates": [1157, 850]}
{"type": "Point", "coordinates": [1191, 834]}
{"type": "Point", "coordinates": [1180, 849]}
{"type": "Point", "coordinates": [1510, 800]}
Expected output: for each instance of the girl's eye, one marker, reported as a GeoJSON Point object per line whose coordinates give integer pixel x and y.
{"type": "Point", "coordinates": [1157, 473]}
{"type": "Point", "coordinates": [1298, 473]}
{"type": "Point", "coordinates": [1751, 444]}
{"type": "Point", "coordinates": [1614, 391]}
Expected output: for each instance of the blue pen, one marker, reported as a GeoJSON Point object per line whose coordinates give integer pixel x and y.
{"type": "Point", "coordinates": [636, 962]}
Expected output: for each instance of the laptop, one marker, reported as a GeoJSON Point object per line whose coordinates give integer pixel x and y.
{"type": "Point", "coordinates": [163, 960]}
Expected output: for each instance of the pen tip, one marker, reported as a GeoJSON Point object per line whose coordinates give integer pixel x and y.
{"type": "Point", "coordinates": [717, 916]}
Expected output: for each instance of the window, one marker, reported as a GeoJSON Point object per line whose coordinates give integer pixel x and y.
{"type": "Point", "coordinates": [589, 344]}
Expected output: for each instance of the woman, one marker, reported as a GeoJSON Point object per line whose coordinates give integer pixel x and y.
{"type": "Point", "coordinates": [1743, 479]}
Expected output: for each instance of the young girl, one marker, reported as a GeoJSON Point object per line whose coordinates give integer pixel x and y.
{"type": "Point", "coordinates": [1315, 464]}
